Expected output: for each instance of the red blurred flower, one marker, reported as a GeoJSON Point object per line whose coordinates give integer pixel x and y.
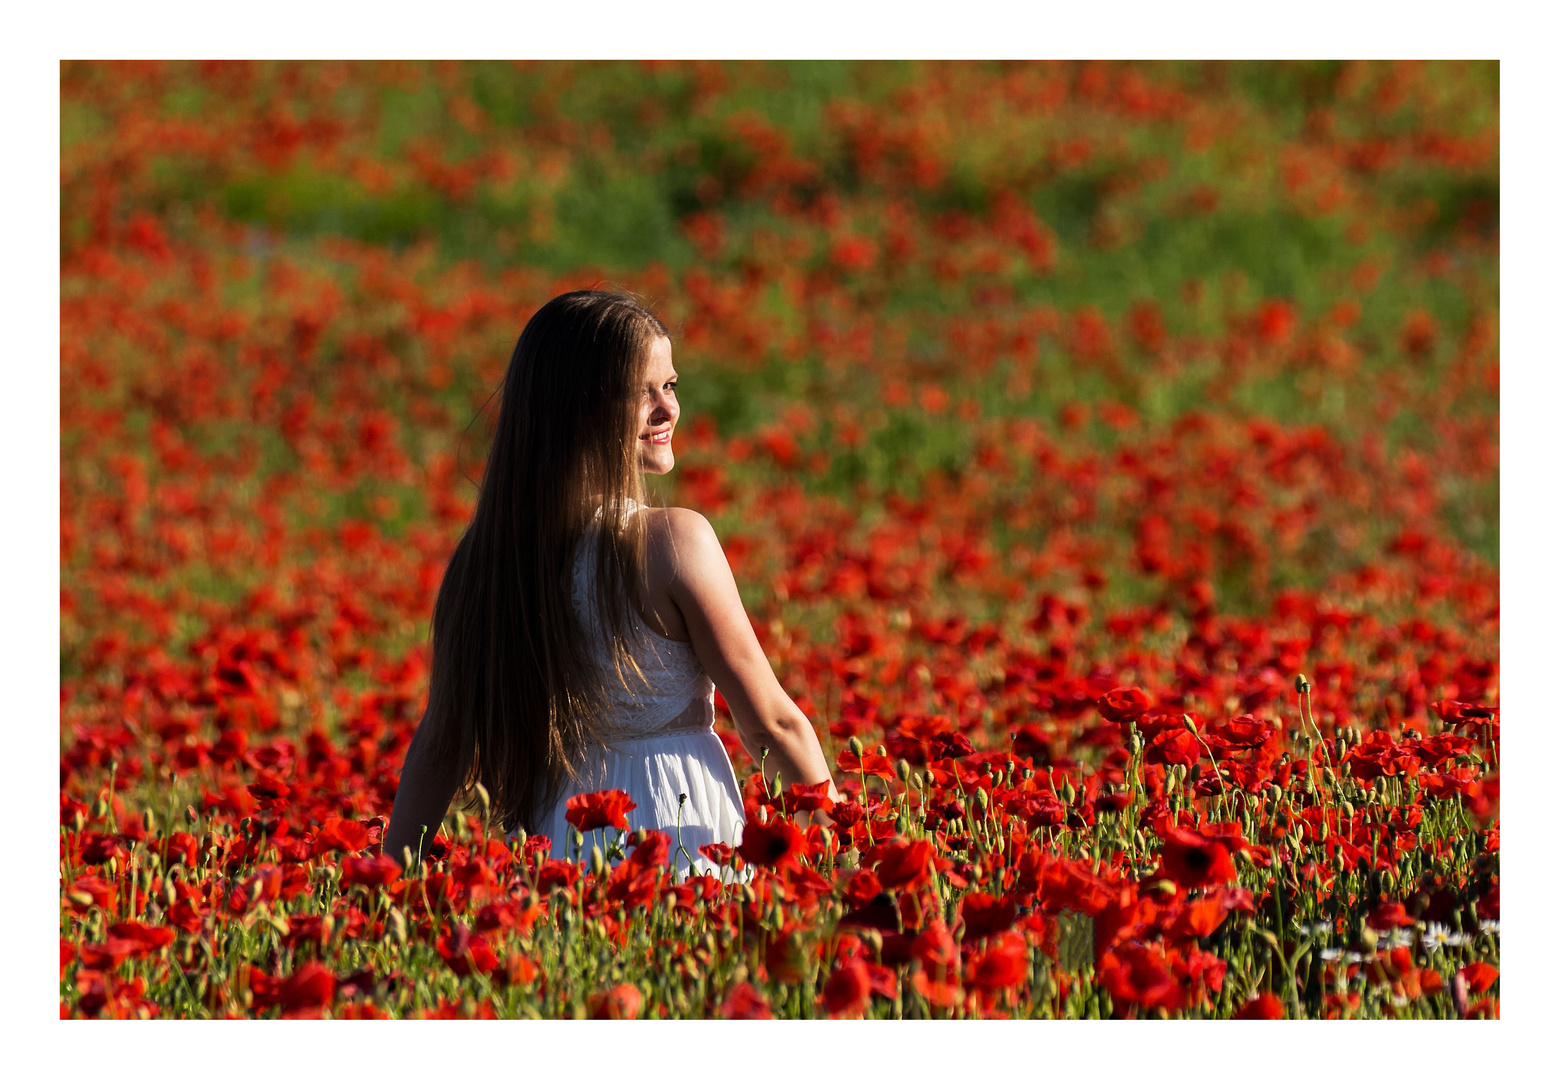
{"type": "Point", "coordinates": [770, 843]}
{"type": "Point", "coordinates": [598, 809]}
{"type": "Point", "coordinates": [464, 951]}
{"type": "Point", "coordinates": [1137, 975]}
{"type": "Point", "coordinates": [984, 915]}
{"type": "Point", "coordinates": [337, 834]}
{"type": "Point", "coordinates": [869, 763]}
{"type": "Point", "coordinates": [1479, 976]}
{"type": "Point", "coordinates": [745, 1003]}
{"type": "Point", "coordinates": [801, 797]}
{"type": "Point", "coordinates": [312, 986]}
{"type": "Point", "coordinates": [1193, 861]}
{"type": "Point", "coordinates": [849, 989]}
{"type": "Point", "coordinates": [1124, 704]}
{"type": "Point", "coordinates": [622, 1002]}
{"type": "Point", "coordinates": [370, 870]}
{"type": "Point", "coordinates": [1264, 1006]}
{"type": "Point", "coordinates": [901, 864]}
{"type": "Point", "coordinates": [1003, 966]}
{"type": "Point", "coordinates": [1389, 914]}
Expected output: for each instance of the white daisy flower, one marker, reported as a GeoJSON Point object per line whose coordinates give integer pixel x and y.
{"type": "Point", "coordinates": [1438, 936]}
{"type": "Point", "coordinates": [1490, 926]}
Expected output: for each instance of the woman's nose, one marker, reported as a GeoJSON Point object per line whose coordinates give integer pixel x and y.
{"type": "Point", "coordinates": [665, 409]}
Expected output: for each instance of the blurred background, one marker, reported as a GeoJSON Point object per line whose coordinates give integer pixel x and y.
{"type": "Point", "coordinates": [1029, 350]}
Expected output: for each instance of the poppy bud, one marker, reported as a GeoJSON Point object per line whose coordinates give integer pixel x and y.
{"type": "Point", "coordinates": [882, 750]}
{"type": "Point", "coordinates": [1186, 722]}
{"type": "Point", "coordinates": [904, 771]}
{"type": "Point", "coordinates": [598, 862]}
{"type": "Point", "coordinates": [826, 837]}
{"type": "Point", "coordinates": [855, 746]}
{"type": "Point", "coordinates": [1069, 793]}
{"type": "Point", "coordinates": [398, 926]}
{"type": "Point", "coordinates": [99, 807]}
{"type": "Point", "coordinates": [79, 820]}
{"type": "Point", "coordinates": [1368, 938]}
{"type": "Point", "coordinates": [983, 797]}
{"type": "Point", "coordinates": [149, 820]}
{"type": "Point", "coordinates": [408, 858]}
{"type": "Point", "coordinates": [1302, 685]}
{"type": "Point", "coordinates": [916, 781]}
{"type": "Point", "coordinates": [520, 837]}
{"type": "Point", "coordinates": [190, 815]}
{"type": "Point", "coordinates": [482, 795]}
{"type": "Point", "coordinates": [1165, 887]}
{"type": "Point", "coordinates": [641, 835]}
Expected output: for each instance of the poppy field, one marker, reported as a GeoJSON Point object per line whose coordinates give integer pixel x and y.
{"type": "Point", "coordinates": [1107, 455]}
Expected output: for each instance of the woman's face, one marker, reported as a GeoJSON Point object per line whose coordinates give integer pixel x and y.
{"type": "Point", "coordinates": [658, 410]}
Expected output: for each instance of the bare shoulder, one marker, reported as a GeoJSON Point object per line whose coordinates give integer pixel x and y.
{"type": "Point", "coordinates": [681, 540]}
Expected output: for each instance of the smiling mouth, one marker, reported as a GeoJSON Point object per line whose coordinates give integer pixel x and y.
{"type": "Point", "coordinates": [660, 438]}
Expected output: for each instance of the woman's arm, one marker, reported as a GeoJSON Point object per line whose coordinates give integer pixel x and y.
{"type": "Point", "coordinates": [702, 587]}
{"type": "Point", "coordinates": [421, 801]}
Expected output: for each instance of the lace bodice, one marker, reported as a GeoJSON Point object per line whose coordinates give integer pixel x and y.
{"type": "Point", "coordinates": [679, 695]}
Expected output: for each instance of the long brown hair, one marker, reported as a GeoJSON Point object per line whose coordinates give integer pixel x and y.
{"type": "Point", "coordinates": [515, 697]}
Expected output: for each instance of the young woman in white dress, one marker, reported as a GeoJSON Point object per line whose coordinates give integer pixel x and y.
{"type": "Point", "coordinates": [577, 631]}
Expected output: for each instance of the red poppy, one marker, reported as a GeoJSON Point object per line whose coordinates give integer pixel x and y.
{"type": "Point", "coordinates": [1176, 746]}
{"type": "Point", "coordinates": [312, 986]}
{"type": "Point", "coordinates": [984, 915]}
{"type": "Point", "coordinates": [622, 1002]}
{"type": "Point", "coordinates": [597, 809]}
{"type": "Point", "coordinates": [106, 955]}
{"type": "Point", "coordinates": [953, 744]}
{"type": "Point", "coordinates": [901, 864]}
{"type": "Point", "coordinates": [745, 1003]}
{"type": "Point", "coordinates": [770, 843]}
{"type": "Point", "coordinates": [1137, 975]}
{"type": "Point", "coordinates": [1124, 704]}
{"type": "Point", "coordinates": [869, 763]}
{"type": "Point", "coordinates": [146, 939]}
{"type": "Point", "coordinates": [653, 850]}
{"type": "Point", "coordinates": [849, 989]}
{"type": "Point", "coordinates": [1388, 915]}
{"type": "Point", "coordinates": [936, 949]}
{"type": "Point", "coordinates": [1479, 976]}
{"type": "Point", "coordinates": [370, 870]}
{"type": "Point", "coordinates": [802, 797]}
{"type": "Point", "coordinates": [464, 951]}
{"type": "Point", "coordinates": [1038, 809]}
{"type": "Point", "coordinates": [1264, 1006]}
{"type": "Point", "coordinates": [1003, 966]}
{"type": "Point", "coordinates": [88, 891]}
{"type": "Point", "coordinates": [338, 834]}
{"type": "Point", "coordinates": [861, 886]}
{"type": "Point", "coordinates": [98, 848]}
{"type": "Point", "coordinates": [1194, 861]}
{"type": "Point", "coordinates": [719, 854]}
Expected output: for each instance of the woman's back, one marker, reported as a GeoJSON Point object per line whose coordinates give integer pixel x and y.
{"type": "Point", "coordinates": [661, 743]}
{"type": "Point", "coordinates": [674, 684]}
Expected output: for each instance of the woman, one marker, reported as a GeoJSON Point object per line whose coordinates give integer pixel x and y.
{"type": "Point", "coordinates": [576, 632]}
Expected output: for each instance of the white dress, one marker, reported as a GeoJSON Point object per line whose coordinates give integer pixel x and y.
{"type": "Point", "coordinates": [665, 744]}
